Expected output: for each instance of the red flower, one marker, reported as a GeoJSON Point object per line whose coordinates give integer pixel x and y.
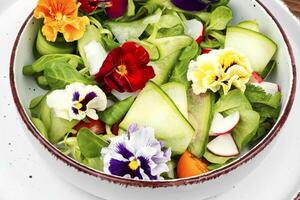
{"type": "Point", "coordinates": [125, 68]}
{"type": "Point", "coordinates": [113, 8]}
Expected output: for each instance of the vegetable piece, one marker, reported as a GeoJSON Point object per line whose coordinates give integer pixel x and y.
{"type": "Point", "coordinates": [95, 55]}
{"type": "Point", "coordinates": [269, 88]}
{"type": "Point", "coordinates": [40, 126]}
{"type": "Point", "coordinates": [193, 5]}
{"type": "Point", "coordinates": [268, 70]}
{"type": "Point", "coordinates": [177, 93]}
{"type": "Point", "coordinates": [90, 145]}
{"type": "Point", "coordinates": [224, 125]}
{"type": "Point", "coordinates": [35, 106]}
{"type": "Point", "coordinates": [92, 34]}
{"type": "Point", "coordinates": [142, 112]}
{"type": "Point", "coordinates": [171, 174]}
{"type": "Point", "coordinates": [96, 126]}
{"type": "Point", "coordinates": [168, 45]}
{"type": "Point", "coordinates": [59, 128]}
{"type": "Point", "coordinates": [116, 112]}
{"type": "Point", "coordinates": [59, 74]}
{"type": "Point", "coordinates": [45, 47]}
{"type": "Point", "coordinates": [189, 165]}
{"type": "Point", "coordinates": [163, 67]}
{"type": "Point", "coordinates": [40, 64]}
{"type": "Point", "coordinates": [219, 18]}
{"type": "Point", "coordinates": [246, 128]}
{"type": "Point", "coordinates": [258, 48]}
{"type": "Point", "coordinates": [124, 31]}
{"type": "Point", "coordinates": [235, 100]}
{"type": "Point", "coordinates": [195, 29]}
{"type": "Point", "coordinates": [224, 146]}
{"type": "Point", "coordinates": [28, 71]}
{"type": "Point", "coordinates": [256, 78]}
{"type": "Point", "coordinates": [117, 8]}
{"type": "Point", "coordinates": [249, 24]}
{"type": "Point", "coordinates": [217, 159]}
{"type": "Point", "coordinates": [201, 109]}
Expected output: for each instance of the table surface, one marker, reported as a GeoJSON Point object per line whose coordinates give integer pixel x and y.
{"type": "Point", "coordinates": [24, 175]}
{"type": "Point", "coordinates": [294, 6]}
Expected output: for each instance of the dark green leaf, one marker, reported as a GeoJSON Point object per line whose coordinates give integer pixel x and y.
{"type": "Point", "coordinates": [90, 145]}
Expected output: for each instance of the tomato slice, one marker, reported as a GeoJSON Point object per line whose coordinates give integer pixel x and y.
{"type": "Point", "coordinates": [96, 126]}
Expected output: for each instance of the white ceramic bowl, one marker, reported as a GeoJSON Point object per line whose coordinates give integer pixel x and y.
{"type": "Point", "coordinates": [112, 187]}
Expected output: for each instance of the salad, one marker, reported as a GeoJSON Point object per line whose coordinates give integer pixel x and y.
{"type": "Point", "coordinates": [151, 89]}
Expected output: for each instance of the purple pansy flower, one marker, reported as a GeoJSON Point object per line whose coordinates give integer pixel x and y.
{"type": "Point", "coordinates": [136, 155]}
{"type": "Point", "coordinates": [77, 101]}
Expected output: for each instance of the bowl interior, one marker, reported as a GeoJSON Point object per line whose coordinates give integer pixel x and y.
{"type": "Point", "coordinates": [243, 10]}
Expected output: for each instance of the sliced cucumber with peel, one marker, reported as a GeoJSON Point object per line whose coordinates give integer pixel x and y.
{"type": "Point", "coordinates": [163, 67]}
{"type": "Point", "coordinates": [249, 24]}
{"type": "Point", "coordinates": [45, 47]}
{"type": "Point", "coordinates": [201, 110]}
{"type": "Point", "coordinates": [154, 108]}
{"type": "Point", "coordinates": [169, 45]}
{"type": "Point", "coordinates": [150, 48]}
{"type": "Point", "coordinates": [258, 48]}
{"type": "Point", "coordinates": [177, 92]}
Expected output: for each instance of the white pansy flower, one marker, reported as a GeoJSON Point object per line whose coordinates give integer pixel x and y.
{"type": "Point", "coordinates": [77, 101]}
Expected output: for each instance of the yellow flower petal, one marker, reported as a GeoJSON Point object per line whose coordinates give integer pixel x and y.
{"type": "Point", "coordinates": [74, 29]}
{"type": "Point", "coordinates": [50, 31]}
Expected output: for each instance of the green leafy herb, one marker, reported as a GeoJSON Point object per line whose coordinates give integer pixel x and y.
{"type": "Point", "coordinates": [90, 145]}
{"type": "Point", "coordinates": [219, 18]}
{"type": "Point", "coordinates": [60, 74]}
{"type": "Point", "coordinates": [40, 64]}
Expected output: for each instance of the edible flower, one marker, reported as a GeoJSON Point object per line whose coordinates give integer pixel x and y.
{"type": "Point", "coordinates": [61, 16]}
{"type": "Point", "coordinates": [77, 101]}
{"type": "Point", "coordinates": [136, 155]}
{"type": "Point", "coordinates": [126, 69]}
{"type": "Point", "coordinates": [113, 8]}
{"type": "Point", "coordinates": [193, 5]}
{"type": "Point", "coordinates": [219, 69]}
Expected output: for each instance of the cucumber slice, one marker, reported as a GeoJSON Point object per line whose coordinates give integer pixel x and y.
{"type": "Point", "coordinates": [40, 126]}
{"type": "Point", "coordinates": [249, 24]}
{"type": "Point", "coordinates": [258, 48]}
{"type": "Point", "coordinates": [177, 92]}
{"type": "Point", "coordinates": [217, 159]}
{"type": "Point", "coordinates": [163, 67]}
{"type": "Point", "coordinates": [45, 47]}
{"type": "Point", "coordinates": [270, 67]}
{"type": "Point", "coordinates": [201, 109]}
{"type": "Point", "coordinates": [169, 45]}
{"type": "Point", "coordinates": [154, 108]}
{"type": "Point", "coordinates": [59, 128]}
{"type": "Point", "coordinates": [92, 33]}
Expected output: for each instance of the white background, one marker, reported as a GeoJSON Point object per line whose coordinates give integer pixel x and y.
{"type": "Point", "coordinates": [24, 175]}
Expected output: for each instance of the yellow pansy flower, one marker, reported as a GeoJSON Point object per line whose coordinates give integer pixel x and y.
{"type": "Point", "coordinates": [203, 73]}
{"type": "Point", "coordinates": [61, 16]}
{"type": "Point", "coordinates": [222, 68]}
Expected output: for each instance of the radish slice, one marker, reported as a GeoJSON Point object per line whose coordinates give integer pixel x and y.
{"type": "Point", "coordinates": [194, 28]}
{"type": "Point", "coordinates": [223, 145]}
{"type": "Point", "coordinates": [95, 55]}
{"type": "Point", "coordinates": [256, 78]}
{"type": "Point", "coordinates": [206, 51]}
{"type": "Point", "coordinates": [222, 126]}
{"type": "Point", "coordinates": [269, 88]}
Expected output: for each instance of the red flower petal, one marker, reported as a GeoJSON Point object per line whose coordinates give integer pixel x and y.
{"type": "Point", "coordinates": [117, 9]}
{"type": "Point", "coordinates": [112, 60]}
{"type": "Point", "coordinates": [89, 6]}
{"type": "Point", "coordinates": [139, 52]}
{"type": "Point", "coordinates": [139, 78]}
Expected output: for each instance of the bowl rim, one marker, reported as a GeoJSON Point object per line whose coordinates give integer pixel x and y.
{"type": "Point", "coordinates": [167, 183]}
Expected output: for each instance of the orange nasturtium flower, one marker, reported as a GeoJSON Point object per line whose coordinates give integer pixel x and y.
{"type": "Point", "coordinates": [61, 16]}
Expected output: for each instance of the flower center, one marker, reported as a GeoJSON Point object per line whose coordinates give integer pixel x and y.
{"type": "Point", "coordinates": [133, 165]}
{"type": "Point", "coordinates": [121, 69]}
{"type": "Point", "coordinates": [78, 105]}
